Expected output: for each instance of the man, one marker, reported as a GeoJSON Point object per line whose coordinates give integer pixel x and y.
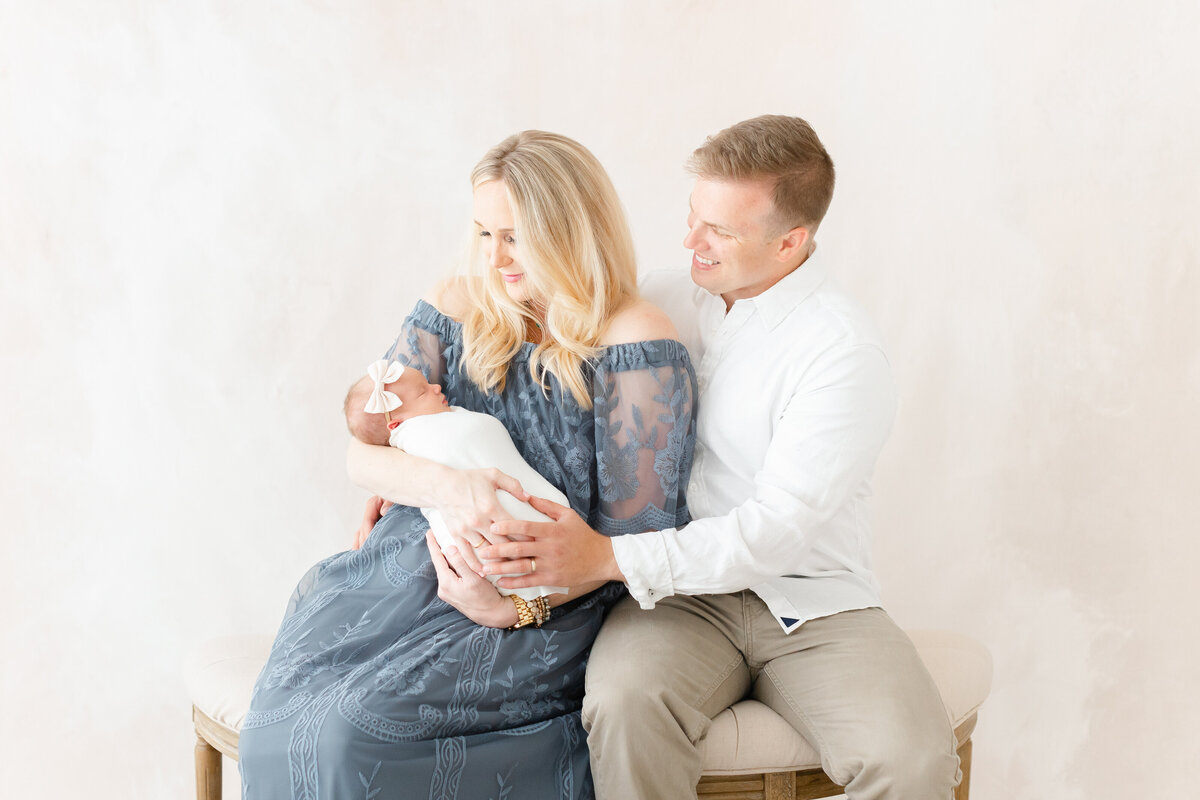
{"type": "Point", "coordinates": [768, 593]}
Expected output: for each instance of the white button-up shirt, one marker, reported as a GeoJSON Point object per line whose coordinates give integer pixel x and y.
{"type": "Point", "coordinates": [796, 401]}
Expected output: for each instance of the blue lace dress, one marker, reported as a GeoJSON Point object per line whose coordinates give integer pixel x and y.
{"type": "Point", "coordinates": [376, 689]}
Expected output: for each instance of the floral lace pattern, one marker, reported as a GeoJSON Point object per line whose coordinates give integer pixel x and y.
{"type": "Point", "coordinates": [375, 687]}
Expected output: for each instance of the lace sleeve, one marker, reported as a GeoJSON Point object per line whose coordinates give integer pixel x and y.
{"type": "Point", "coordinates": [421, 343]}
{"type": "Point", "coordinates": [645, 431]}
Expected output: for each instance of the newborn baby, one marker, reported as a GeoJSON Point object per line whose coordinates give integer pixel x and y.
{"type": "Point", "coordinates": [395, 405]}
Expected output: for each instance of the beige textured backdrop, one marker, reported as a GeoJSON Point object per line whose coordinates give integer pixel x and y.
{"type": "Point", "coordinates": [213, 214]}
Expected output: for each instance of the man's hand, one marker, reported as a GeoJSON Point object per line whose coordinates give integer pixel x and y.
{"type": "Point", "coordinates": [564, 552]}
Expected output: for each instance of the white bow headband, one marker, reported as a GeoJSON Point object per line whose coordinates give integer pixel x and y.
{"type": "Point", "coordinates": [381, 372]}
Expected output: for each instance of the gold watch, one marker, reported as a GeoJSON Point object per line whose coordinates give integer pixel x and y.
{"type": "Point", "coordinates": [534, 613]}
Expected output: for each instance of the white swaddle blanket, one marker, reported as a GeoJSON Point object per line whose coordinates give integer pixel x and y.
{"type": "Point", "coordinates": [464, 439]}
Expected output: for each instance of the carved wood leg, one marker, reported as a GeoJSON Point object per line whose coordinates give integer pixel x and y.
{"type": "Point", "coordinates": [208, 771]}
{"type": "Point", "coordinates": [964, 758]}
{"type": "Point", "coordinates": [779, 786]}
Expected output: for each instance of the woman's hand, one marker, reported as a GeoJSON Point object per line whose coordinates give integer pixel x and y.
{"type": "Point", "coordinates": [376, 508]}
{"type": "Point", "coordinates": [469, 505]}
{"type": "Point", "coordinates": [474, 596]}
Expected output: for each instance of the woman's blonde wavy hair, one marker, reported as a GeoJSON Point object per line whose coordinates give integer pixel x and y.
{"type": "Point", "coordinates": [577, 254]}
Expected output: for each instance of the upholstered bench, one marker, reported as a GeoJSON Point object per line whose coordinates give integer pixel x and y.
{"type": "Point", "coordinates": [750, 753]}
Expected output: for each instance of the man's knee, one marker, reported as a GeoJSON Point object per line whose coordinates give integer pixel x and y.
{"type": "Point", "coordinates": [915, 772]}
{"type": "Point", "coordinates": [616, 700]}
{"type": "Point", "coordinates": [912, 764]}
{"type": "Point", "coordinates": [629, 709]}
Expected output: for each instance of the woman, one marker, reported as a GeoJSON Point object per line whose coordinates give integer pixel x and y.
{"type": "Point", "coordinates": [376, 685]}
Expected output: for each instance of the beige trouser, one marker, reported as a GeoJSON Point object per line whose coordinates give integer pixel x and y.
{"type": "Point", "coordinates": [852, 684]}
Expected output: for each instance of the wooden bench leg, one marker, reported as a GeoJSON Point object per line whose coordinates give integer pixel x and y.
{"type": "Point", "coordinates": [208, 770]}
{"type": "Point", "coordinates": [964, 759]}
{"type": "Point", "coordinates": [779, 786]}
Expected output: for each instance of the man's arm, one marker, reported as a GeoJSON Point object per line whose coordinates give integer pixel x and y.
{"type": "Point", "coordinates": [823, 448]}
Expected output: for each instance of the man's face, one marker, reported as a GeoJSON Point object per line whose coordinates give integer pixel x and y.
{"type": "Point", "coordinates": [731, 238]}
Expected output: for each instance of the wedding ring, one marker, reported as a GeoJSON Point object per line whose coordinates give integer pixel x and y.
{"type": "Point", "coordinates": [532, 565]}
{"type": "Point", "coordinates": [479, 544]}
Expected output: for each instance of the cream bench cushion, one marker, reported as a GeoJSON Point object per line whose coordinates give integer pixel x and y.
{"type": "Point", "coordinates": [750, 738]}
{"type": "Point", "coordinates": [747, 738]}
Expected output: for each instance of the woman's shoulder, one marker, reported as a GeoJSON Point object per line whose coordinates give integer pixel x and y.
{"type": "Point", "coordinates": [640, 321]}
{"type": "Point", "coordinates": [451, 297]}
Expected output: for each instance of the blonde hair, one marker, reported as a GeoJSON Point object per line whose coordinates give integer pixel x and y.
{"type": "Point", "coordinates": [781, 149]}
{"type": "Point", "coordinates": [577, 254]}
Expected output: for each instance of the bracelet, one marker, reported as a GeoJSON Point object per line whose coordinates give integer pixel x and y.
{"type": "Point", "coordinates": [530, 614]}
{"type": "Point", "coordinates": [541, 609]}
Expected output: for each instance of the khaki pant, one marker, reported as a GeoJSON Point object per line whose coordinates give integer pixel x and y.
{"type": "Point", "coordinates": [852, 684]}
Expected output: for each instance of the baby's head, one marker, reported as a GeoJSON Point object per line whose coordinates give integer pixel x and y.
{"type": "Point", "coordinates": [417, 398]}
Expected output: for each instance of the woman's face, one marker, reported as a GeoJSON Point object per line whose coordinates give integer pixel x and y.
{"type": "Point", "coordinates": [496, 228]}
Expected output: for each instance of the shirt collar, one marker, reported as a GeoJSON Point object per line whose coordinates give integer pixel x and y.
{"type": "Point", "coordinates": [793, 289]}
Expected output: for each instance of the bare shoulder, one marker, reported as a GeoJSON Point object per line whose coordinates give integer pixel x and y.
{"type": "Point", "coordinates": [638, 322]}
{"type": "Point", "coordinates": [450, 296]}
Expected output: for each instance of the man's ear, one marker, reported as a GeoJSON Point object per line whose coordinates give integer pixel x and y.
{"type": "Point", "coordinates": [793, 243]}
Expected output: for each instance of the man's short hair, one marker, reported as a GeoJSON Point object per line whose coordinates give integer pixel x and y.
{"type": "Point", "coordinates": [775, 148]}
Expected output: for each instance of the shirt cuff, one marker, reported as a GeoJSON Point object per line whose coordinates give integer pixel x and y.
{"type": "Point", "coordinates": [642, 559]}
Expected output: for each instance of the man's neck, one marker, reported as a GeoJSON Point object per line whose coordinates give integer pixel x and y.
{"type": "Point", "coordinates": [730, 299]}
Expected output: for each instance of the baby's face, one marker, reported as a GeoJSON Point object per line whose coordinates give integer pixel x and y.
{"type": "Point", "coordinates": [419, 396]}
